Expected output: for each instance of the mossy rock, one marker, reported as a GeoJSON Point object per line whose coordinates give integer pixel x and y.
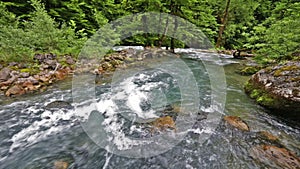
{"type": "Point", "coordinates": [116, 62]}
{"type": "Point", "coordinates": [263, 88]}
{"type": "Point", "coordinates": [249, 70]}
{"type": "Point", "coordinates": [31, 71]}
{"type": "Point", "coordinates": [261, 97]}
{"type": "Point", "coordinates": [129, 60]}
{"type": "Point", "coordinates": [278, 72]}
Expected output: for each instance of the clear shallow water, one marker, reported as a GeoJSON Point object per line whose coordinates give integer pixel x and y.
{"type": "Point", "coordinates": [33, 137]}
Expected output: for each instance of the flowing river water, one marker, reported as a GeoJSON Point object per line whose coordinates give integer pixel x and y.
{"type": "Point", "coordinates": [32, 136]}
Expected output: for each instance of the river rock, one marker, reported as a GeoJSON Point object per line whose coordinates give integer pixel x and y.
{"type": "Point", "coordinates": [277, 88]}
{"type": "Point", "coordinates": [163, 123]}
{"type": "Point", "coordinates": [4, 74]}
{"type": "Point", "coordinates": [28, 86]}
{"type": "Point", "coordinates": [33, 80]}
{"type": "Point", "coordinates": [11, 64]}
{"type": "Point", "coordinates": [275, 157]}
{"type": "Point", "coordinates": [15, 90]}
{"type": "Point", "coordinates": [237, 122]}
{"type": "Point", "coordinates": [42, 57]}
{"type": "Point", "coordinates": [268, 136]}
{"type": "Point", "coordinates": [61, 165]}
{"type": "Point", "coordinates": [6, 84]}
{"type": "Point", "coordinates": [61, 74]}
{"type": "Point", "coordinates": [52, 63]}
{"type": "Point", "coordinates": [24, 74]}
{"type": "Point", "coordinates": [45, 78]}
{"type": "Point", "coordinates": [58, 104]}
{"type": "Point", "coordinates": [44, 66]}
{"type": "Point", "coordinates": [130, 52]}
{"type": "Point", "coordinates": [70, 60]}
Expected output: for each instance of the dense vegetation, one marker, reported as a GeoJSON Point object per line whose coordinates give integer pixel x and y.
{"type": "Point", "coordinates": [268, 28]}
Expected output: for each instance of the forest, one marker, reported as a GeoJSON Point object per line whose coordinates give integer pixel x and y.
{"type": "Point", "coordinates": [267, 28]}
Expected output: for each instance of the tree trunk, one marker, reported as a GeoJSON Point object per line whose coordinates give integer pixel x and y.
{"type": "Point", "coordinates": [174, 34]}
{"type": "Point", "coordinates": [223, 25]}
{"type": "Point", "coordinates": [174, 10]}
{"type": "Point", "coordinates": [145, 26]}
{"type": "Point", "coordinates": [159, 29]}
{"type": "Point", "coordinates": [165, 32]}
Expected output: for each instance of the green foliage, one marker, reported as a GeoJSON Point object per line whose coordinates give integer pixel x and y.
{"type": "Point", "coordinates": [20, 40]}
{"type": "Point", "coordinates": [261, 96]}
{"type": "Point", "coordinates": [280, 33]}
{"type": "Point", "coordinates": [268, 27]}
{"type": "Point", "coordinates": [13, 44]}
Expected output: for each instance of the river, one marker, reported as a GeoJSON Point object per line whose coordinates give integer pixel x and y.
{"type": "Point", "coordinates": [32, 136]}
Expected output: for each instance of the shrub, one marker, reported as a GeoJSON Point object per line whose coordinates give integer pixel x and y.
{"type": "Point", "coordinates": [40, 34]}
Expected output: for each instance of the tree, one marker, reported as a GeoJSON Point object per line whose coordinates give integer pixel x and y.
{"type": "Point", "coordinates": [281, 35]}
{"type": "Point", "coordinates": [223, 20]}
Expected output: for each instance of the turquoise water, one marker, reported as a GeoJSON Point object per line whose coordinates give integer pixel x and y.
{"type": "Point", "coordinates": [33, 137]}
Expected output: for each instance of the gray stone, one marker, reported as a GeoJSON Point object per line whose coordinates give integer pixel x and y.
{"type": "Point", "coordinates": [24, 74]}
{"type": "Point", "coordinates": [4, 74]}
{"type": "Point", "coordinates": [58, 104]}
{"type": "Point", "coordinates": [70, 60]}
{"type": "Point", "coordinates": [52, 63]}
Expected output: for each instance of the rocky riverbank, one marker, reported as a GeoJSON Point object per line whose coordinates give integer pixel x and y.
{"type": "Point", "coordinates": [20, 78]}
{"type": "Point", "coordinates": [277, 88]}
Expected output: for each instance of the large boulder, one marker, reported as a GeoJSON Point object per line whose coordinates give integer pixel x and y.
{"type": "Point", "coordinates": [277, 88]}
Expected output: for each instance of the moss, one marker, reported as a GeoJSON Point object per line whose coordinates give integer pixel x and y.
{"type": "Point", "coordinates": [268, 69]}
{"type": "Point", "coordinates": [250, 70]}
{"type": "Point", "coordinates": [293, 79]}
{"type": "Point", "coordinates": [248, 87]}
{"type": "Point", "coordinates": [265, 100]}
{"type": "Point", "coordinates": [116, 62]}
{"type": "Point", "coordinates": [64, 63]}
{"type": "Point", "coordinates": [260, 96]}
{"type": "Point", "coordinates": [255, 93]}
{"type": "Point", "coordinates": [285, 68]}
{"type": "Point", "coordinates": [277, 72]}
{"type": "Point", "coordinates": [289, 68]}
{"type": "Point", "coordinates": [31, 71]}
{"type": "Point", "coordinates": [129, 60]}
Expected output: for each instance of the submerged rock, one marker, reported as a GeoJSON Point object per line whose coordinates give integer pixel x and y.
{"type": "Point", "coordinates": [164, 123]}
{"type": "Point", "coordinates": [237, 122]}
{"type": "Point", "coordinates": [275, 157]}
{"type": "Point", "coordinates": [268, 136]}
{"type": "Point", "coordinates": [61, 165]}
{"type": "Point", "coordinates": [277, 88]}
{"type": "Point", "coordinates": [59, 104]}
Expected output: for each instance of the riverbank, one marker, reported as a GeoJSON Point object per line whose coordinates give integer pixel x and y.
{"type": "Point", "coordinates": [46, 69]}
